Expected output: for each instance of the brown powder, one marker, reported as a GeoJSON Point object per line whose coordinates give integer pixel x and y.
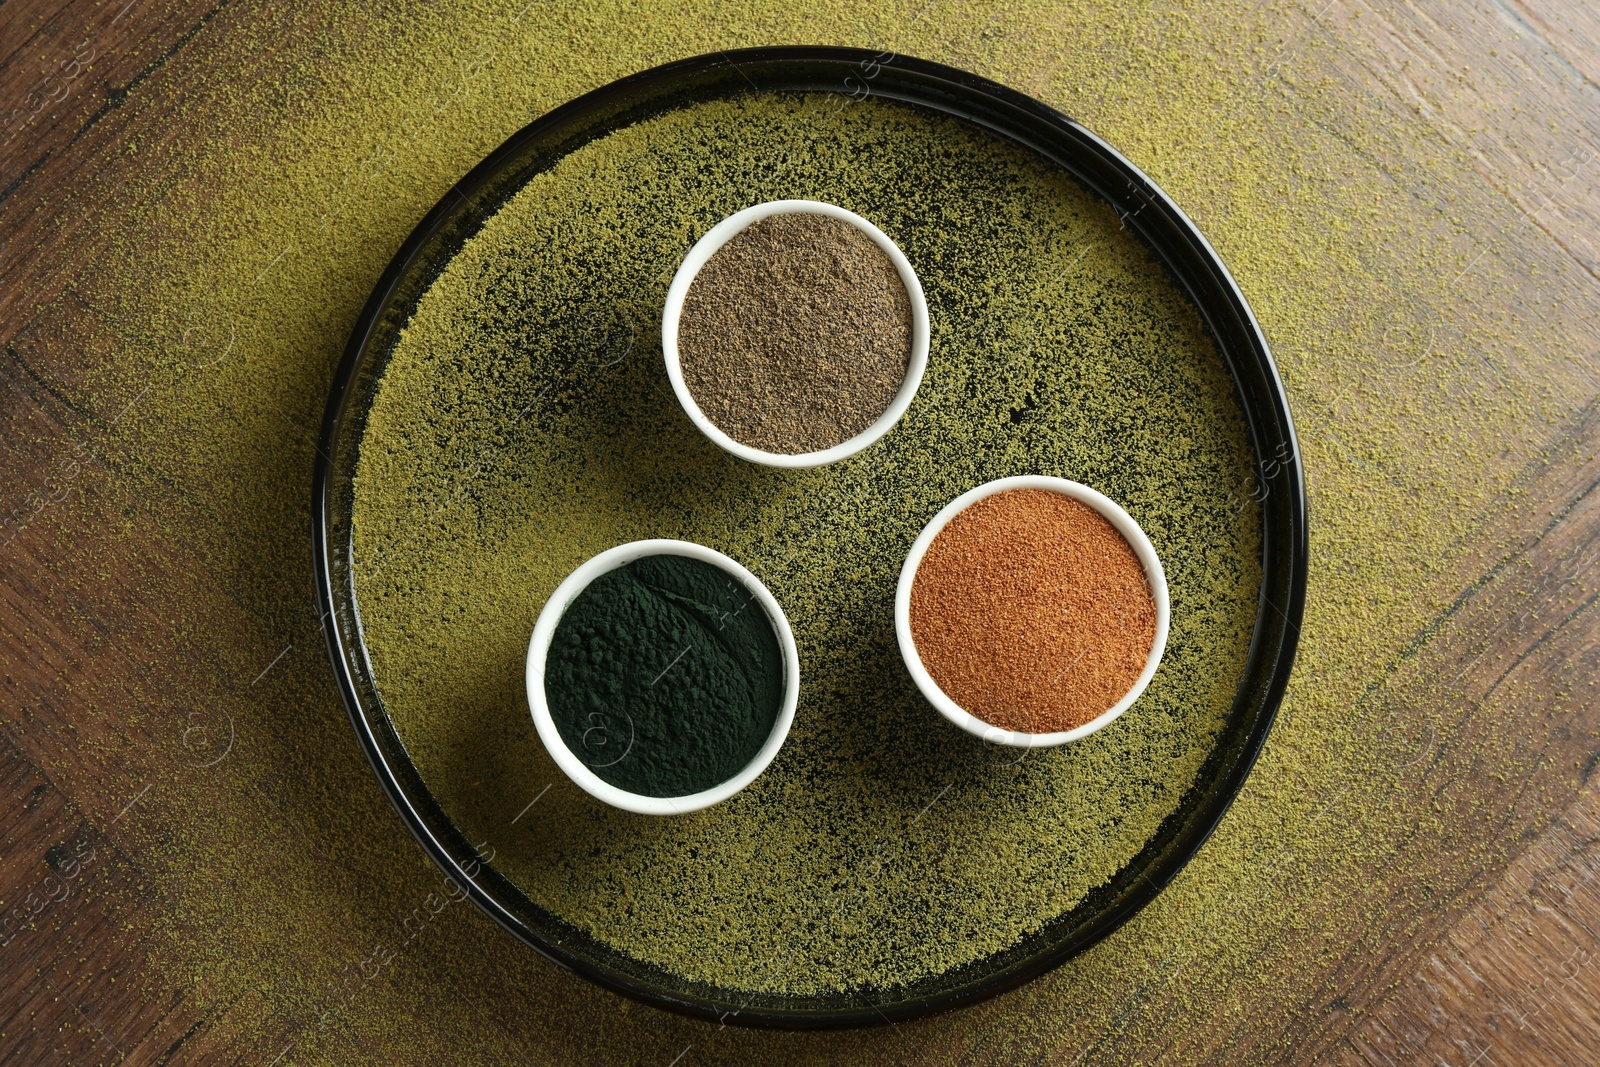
{"type": "Point", "coordinates": [1032, 612]}
{"type": "Point", "coordinates": [796, 334]}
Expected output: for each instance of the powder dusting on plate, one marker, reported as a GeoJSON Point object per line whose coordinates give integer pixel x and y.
{"type": "Point", "coordinates": [525, 423]}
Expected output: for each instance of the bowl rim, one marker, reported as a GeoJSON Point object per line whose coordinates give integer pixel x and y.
{"type": "Point", "coordinates": [1124, 524]}
{"type": "Point", "coordinates": [727, 230]}
{"type": "Point", "coordinates": [544, 630]}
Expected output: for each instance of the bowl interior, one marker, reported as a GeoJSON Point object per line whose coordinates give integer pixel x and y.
{"type": "Point", "coordinates": [702, 252]}
{"type": "Point", "coordinates": [1124, 524]}
{"type": "Point", "coordinates": [570, 763]}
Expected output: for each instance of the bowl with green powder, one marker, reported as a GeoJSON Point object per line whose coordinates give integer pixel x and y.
{"type": "Point", "coordinates": [663, 677]}
{"type": "Point", "coordinates": [795, 333]}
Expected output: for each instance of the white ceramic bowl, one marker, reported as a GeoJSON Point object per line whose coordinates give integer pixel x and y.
{"type": "Point", "coordinates": [960, 716]}
{"type": "Point", "coordinates": [721, 234]}
{"type": "Point", "coordinates": [544, 629]}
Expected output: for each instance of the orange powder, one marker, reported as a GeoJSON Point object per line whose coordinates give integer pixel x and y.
{"type": "Point", "coordinates": [1032, 612]}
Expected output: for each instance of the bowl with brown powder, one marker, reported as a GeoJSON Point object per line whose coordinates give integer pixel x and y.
{"type": "Point", "coordinates": [795, 333]}
{"type": "Point", "coordinates": [1032, 611]}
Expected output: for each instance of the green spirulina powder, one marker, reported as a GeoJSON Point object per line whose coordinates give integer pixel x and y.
{"type": "Point", "coordinates": [664, 676]}
{"type": "Point", "coordinates": [525, 423]}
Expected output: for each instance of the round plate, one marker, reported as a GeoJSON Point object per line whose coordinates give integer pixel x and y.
{"type": "Point", "coordinates": [1018, 119]}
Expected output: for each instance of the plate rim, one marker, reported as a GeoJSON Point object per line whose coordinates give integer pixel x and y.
{"type": "Point", "coordinates": [1279, 481]}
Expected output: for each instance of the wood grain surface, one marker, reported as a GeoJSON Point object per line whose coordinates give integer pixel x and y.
{"type": "Point", "coordinates": [1478, 947]}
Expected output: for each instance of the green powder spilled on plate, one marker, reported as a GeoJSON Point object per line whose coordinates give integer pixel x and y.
{"type": "Point", "coordinates": [664, 676]}
{"type": "Point", "coordinates": [525, 423]}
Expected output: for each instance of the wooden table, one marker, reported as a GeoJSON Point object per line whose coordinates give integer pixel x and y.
{"type": "Point", "coordinates": [178, 775]}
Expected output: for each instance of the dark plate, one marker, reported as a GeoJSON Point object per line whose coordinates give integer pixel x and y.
{"type": "Point", "coordinates": [1008, 114]}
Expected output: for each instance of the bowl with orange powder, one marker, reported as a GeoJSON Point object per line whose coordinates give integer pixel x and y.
{"type": "Point", "coordinates": [1032, 611]}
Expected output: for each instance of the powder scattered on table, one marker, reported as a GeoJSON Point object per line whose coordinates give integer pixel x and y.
{"type": "Point", "coordinates": [796, 334]}
{"type": "Point", "coordinates": [664, 676]}
{"type": "Point", "coordinates": [1032, 612]}
{"type": "Point", "coordinates": [1277, 186]}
